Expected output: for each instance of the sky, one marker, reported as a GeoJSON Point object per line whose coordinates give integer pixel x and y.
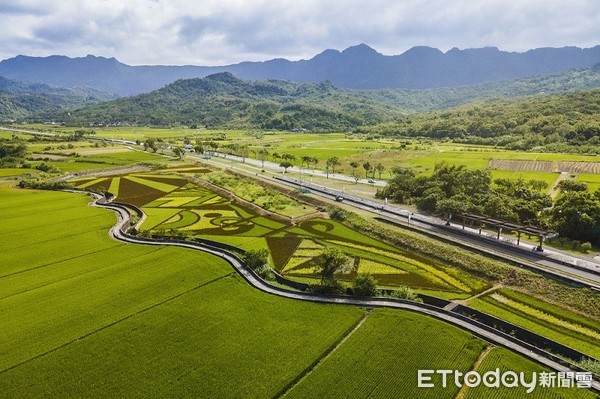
{"type": "Point", "coordinates": [221, 32]}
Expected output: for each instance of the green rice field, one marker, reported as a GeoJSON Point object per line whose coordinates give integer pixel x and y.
{"type": "Point", "coordinates": [86, 316]}
{"type": "Point", "coordinates": [173, 203]}
{"type": "Point", "coordinates": [93, 317]}
{"type": "Point", "coordinates": [504, 360]}
{"type": "Point", "coordinates": [568, 328]}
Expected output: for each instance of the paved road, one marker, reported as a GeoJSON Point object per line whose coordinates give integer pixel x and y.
{"type": "Point", "coordinates": [567, 267]}
{"type": "Point", "coordinates": [588, 275]}
{"type": "Point", "coordinates": [272, 166]}
{"type": "Point", "coordinates": [474, 327]}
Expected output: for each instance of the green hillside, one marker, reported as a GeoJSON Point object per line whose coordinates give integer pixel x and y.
{"type": "Point", "coordinates": [221, 100]}
{"type": "Point", "coordinates": [559, 122]}
{"type": "Point", "coordinates": [19, 100]}
{"type": "Point", "coordinates": [225, 101]}
{"type": "Point", "coordinates": [442, 98]}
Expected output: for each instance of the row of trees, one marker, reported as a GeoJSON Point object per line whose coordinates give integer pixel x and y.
{"type": "Point", "coordinates": [287, 160]}
{"type": "Point", "coordinates": [454, 189]}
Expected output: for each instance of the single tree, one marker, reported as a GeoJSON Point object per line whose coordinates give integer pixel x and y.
{"type": "Point", "coordinates": [333, 162]}
{"type": "Point", "coordinates": [150, 144]}
{"type": "Point", "coordinates": [331, 261]}
{"type": "Point", "coordinates": [367, 167]}
{"type": "Point", "coordinates": [285, 165]}
{"type": "Point", "coordinates": [258, 261]}
{"type": "Point", "coordinates": [379, 168]}
{"type": "Point", "coordinates": [306, 159]}
{"type": "Point", "coordinates": [178, 152]}
{"type": "Point", "coordinates": [263, 154]}
{"type": "Point", "coordinates": [288, 157]}
{"type": "Point", "coordinates": [256, 258]}
{"type": "Point", "coordinates": [354, 165]}
{"type": "Point", "coordinates": [243, 151]}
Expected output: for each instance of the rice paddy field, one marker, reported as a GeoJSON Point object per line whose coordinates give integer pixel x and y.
{"type": "Point", "coordinates": [96, 318]}
{"type": "Point", "coordinates": [173, 203]}
{"type": "Point", "coordinates": [570, 329]}
{"type": "Point", "coordinates": [92, 317]}
{"type": "Point", "coordinates": [420, 154]}
{"type": "Point", "coordinates": [86, 316]}
{"type": "Point", "coordinates": [402, 357]}
{"type": "Point", "coordinates": [502, 359]}
{"type": "Point", "coordinates": [592, 181]}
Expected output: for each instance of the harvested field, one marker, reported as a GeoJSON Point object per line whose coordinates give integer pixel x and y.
{"type": "Point", "coordinates": [579, 167]}
{"type": "Point", "coordinates": [522, 165]}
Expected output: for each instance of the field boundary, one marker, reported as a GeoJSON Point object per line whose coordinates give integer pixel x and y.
{"type": "Point", "coordinates": [463, 390]}
{"type": "Point", "coordinates": [477, 328]}
{"type": "Point", "coordinates": [155, 305]}
{"type": "Point", "coordinates": [320, 360]}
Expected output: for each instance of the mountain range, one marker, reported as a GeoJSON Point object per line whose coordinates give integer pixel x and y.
{"type": "Point", "coordinates": [357, 67]}
{"type": "Point", "coordinates": [222, 100]}
{"type": "Point", "coordinates": [19, 100]}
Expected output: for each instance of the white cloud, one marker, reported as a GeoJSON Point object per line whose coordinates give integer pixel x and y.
{"type": "Point", "coordinates": [216, 32]}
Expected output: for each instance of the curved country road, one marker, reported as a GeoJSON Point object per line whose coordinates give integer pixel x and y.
{"type": "Point", "coordinates": [476, 328]}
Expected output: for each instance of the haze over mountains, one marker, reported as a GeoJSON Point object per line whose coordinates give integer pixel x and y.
{"type": "Point", "coordinates": [358, 67]}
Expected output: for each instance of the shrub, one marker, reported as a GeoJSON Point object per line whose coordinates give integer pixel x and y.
{"type": "Point", "coordinates": [586, 247]}
{"type": "Point", "coordinates": [328, 287]}
{"type": "Point", "coordinates": [590, 365]}
{"type": "Point", "coordinates": [365, 285]}
{"type": "Point", "coordinates": [406, 293]}
{"type": "Point", "coordinates": [258, 261]}
{"type": "Point", "coordinates": [45, 185]}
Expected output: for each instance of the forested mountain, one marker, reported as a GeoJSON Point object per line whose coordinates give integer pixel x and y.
{"type": "Point", "coordinates": [358, 67]}
{"type": "Point", "coordinates": [441, 98]}
{"type": "Point", "coordinates": [559, 122]}
{"type": "Point", "coordinates": [19, 99]}
{"type": "Point", "coordinates": [223, 100]}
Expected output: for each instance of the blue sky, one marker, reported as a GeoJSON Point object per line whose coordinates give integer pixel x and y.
{"type": "Point", "coordinates": [218, 32]}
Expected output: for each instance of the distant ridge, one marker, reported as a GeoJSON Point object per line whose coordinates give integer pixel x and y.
{"type": "Point", "coordinates": [19, 100]}
{"type": "Point", "coordinates": [357, 67]}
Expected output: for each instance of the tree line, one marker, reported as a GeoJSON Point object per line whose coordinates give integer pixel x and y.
{"type": "Point", "coordinates": [557, 123]}
{"type": "Point", "coordinates": [453, 189]}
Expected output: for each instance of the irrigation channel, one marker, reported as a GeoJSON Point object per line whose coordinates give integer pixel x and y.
{"type": "Point", "coordinates": [557, 363]}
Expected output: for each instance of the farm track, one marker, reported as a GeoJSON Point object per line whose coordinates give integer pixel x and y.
{"type": "Point", "coordinates": [118, 232]}
{"type": "Point", "coordinates": [463, 390]}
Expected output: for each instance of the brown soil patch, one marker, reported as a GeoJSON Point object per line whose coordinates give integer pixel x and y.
{"type": "Point", "coordinates": [137, 194]}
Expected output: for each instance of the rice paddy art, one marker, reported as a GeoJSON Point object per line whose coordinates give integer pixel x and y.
{"type": "Point", "coordinates": [174, 204]}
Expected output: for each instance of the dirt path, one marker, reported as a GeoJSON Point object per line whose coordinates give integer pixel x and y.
{"type": "Point", "coordinates": [321, 360]}
{"type": "Point", "coordinates": [465, 302]}
{"type": "Point", "coordinates": [554, 190]}
{"type": "Point", "coordinates": [463, 390]}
